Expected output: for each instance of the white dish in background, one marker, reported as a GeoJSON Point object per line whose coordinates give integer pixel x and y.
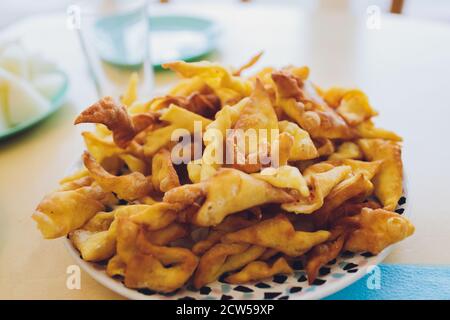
{"type": "Point", "coordinates": [31, 89]}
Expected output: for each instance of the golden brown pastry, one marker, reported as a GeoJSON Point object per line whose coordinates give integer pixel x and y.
{"type": "Point", "coordinates": [378, 229]}
{"type": "Point", "coordinates": [169, 194]}
{"type": "Point", "coordinates": [222, 258]}
{"type": "Point", "coordinates": [227, 192]}
{"type": "Point", "coordinates": [258, 270]}
{"type": "Point", "coordinates": [146, 265]}
{"type": "Point", "coordinates": [388, 182]}
{"type": "Point", "coordinates": [63, 211]}
{"type": "Point", "coordinates": [278, 233]}
{"type": "Point", "coordinates": [164, 176]}
{"type": "Point", "coordinates": [129, 187]}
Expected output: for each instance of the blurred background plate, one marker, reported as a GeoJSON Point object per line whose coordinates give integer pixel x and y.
{"type": "Point", "coordinates": [172, 37]}
{"type": "Point", "coordinates": [55, 103]}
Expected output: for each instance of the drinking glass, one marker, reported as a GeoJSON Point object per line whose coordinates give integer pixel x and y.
{"type": "Point", "coordinates": [114, 38]}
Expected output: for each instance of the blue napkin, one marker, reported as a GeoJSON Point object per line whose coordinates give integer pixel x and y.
{"type": "Point", "coordinates": [399, 282]}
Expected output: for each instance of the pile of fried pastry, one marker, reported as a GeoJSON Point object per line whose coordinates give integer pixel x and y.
{"type": "Point", "coordinates": [161, 225]}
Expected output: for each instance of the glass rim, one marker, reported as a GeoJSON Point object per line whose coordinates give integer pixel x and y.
{"type": "Point", "coordinates": [98, 8]}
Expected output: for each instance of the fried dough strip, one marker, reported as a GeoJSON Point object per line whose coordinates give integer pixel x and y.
{"type": "Point", "coordinates": [347, 189]}
{"type": "Point", "coordinates": [388, 182]}
{"type": "Point", "coordinates": [208, 269]}
{"type": "Point", "coordinates": [63, 211]}
{"type": "Point", "coordinates": [320, 121]}
{"type": "Point", "coordinates": [259, 115]}
{"type": "Point", "coordinates": [204, 102]}
{"type": "Point", "coordinates": [278, 233]}
{"type": "Point", "coordinates": [229, 224]}
{"type": "Point", "coordinates": [347, 150]}
{"type": "Point", "coordinates": [223, 258]}
{"type": "Point", "coordinates": [368, 130]}
{"type": "Point", "coordinates": [162, 269]}
{"type": "Point", "coordinates": [322, 254]}
{"type": "Point", "coordinates": [155, 216]}
{"type": "Point", "coordinates": [349, 209]}
{"type": "Point", "coordinates": [129, 187]}
{"type": "Point", "coordinates": [378, 229]}
{"type": "Point", "coordinates": [116, 118]}
{"type": "Point", "coordinates": [259, 270]}
{"type": "Point", "coordinates": [249, 64]}
{"type": "Point", "coordinates": [94, 246]}
{"type": "Point", "coordinates": [164, 175]}
{"type": "Point", "coordinates": [284, 177]}
{"type": "Point", "coordinates": [329, 250]}
{"type": "Point", "coordinates": [227, 192]}
{"type": "Point", "coordinates": [322, 184]}
{"type": "Point", "coordinates": [354, 107]}
{"type": "Point", "coordinates": [168, 234]}
{"type": "Point", "coordinates": [303, 147]}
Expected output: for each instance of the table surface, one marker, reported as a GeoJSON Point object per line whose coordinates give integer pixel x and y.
{"type": "Point", "coordinates": [404, 67]}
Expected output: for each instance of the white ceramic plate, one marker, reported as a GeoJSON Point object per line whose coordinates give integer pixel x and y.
{"type": "Point", "coordinates": [333, 277]}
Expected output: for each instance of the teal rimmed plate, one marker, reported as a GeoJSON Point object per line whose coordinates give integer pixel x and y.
{"type": "Point", "coordinates": [172, 37]}
{"type": "Point", "coordinates": [181, 38]}
{"type": "Point", "coordinates": [55, 103]}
